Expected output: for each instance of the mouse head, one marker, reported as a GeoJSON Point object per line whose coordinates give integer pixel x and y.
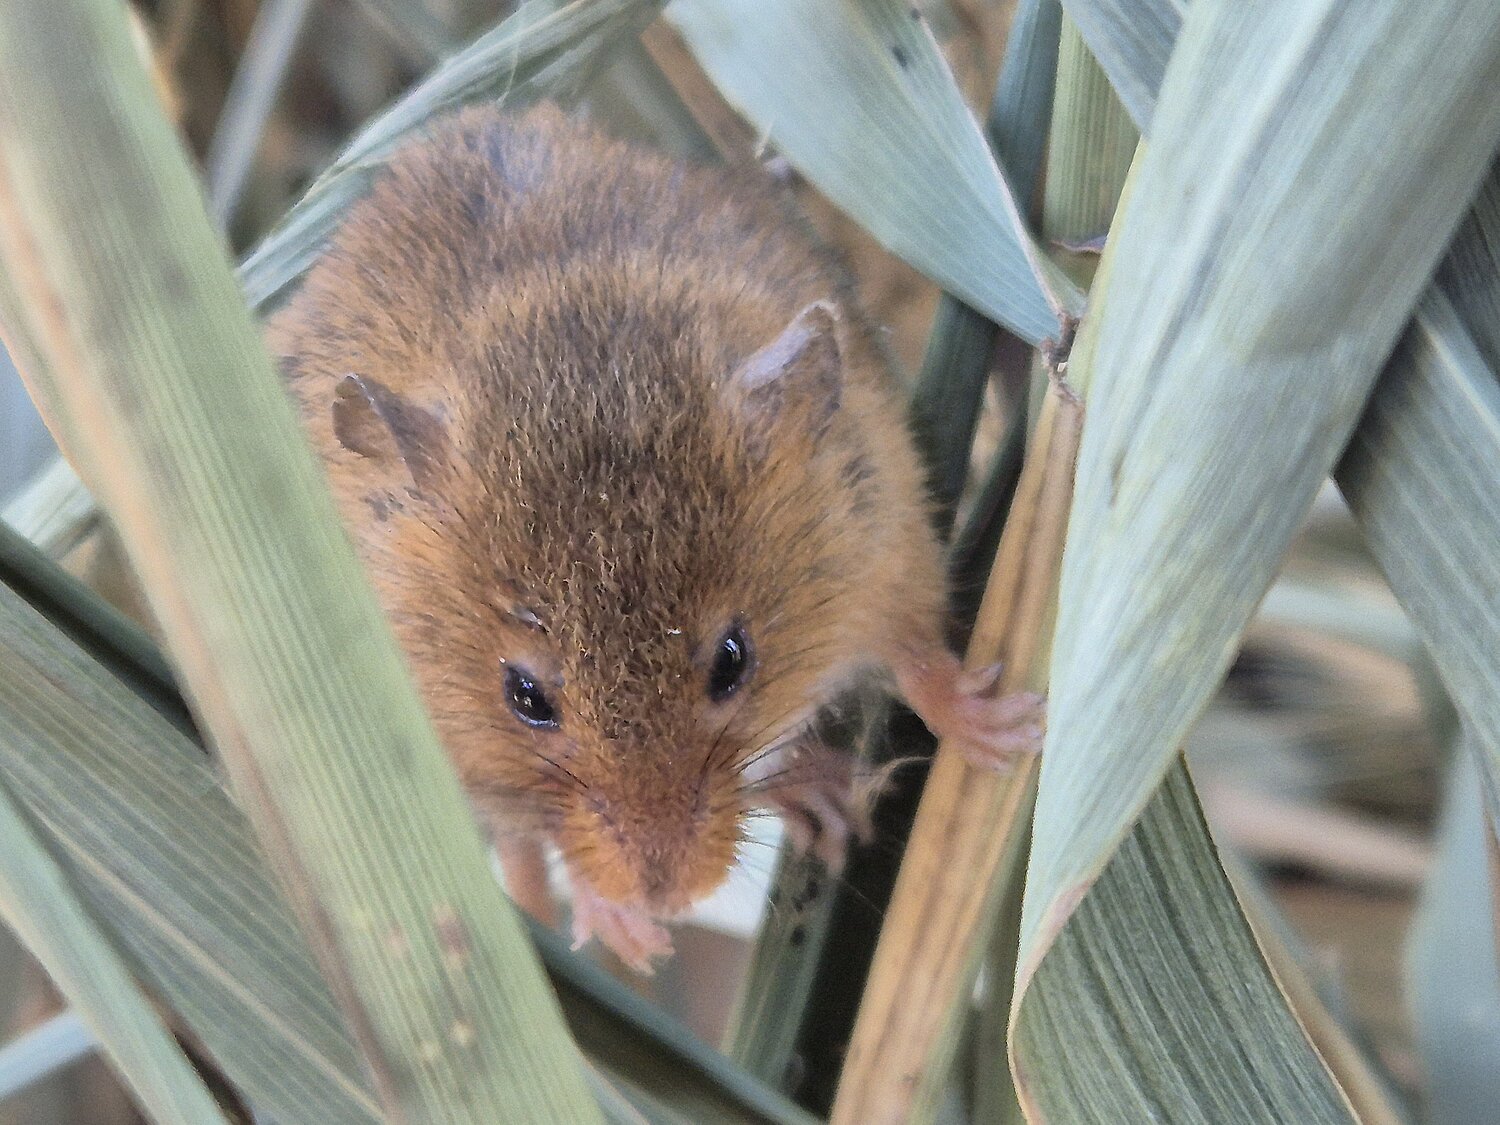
{"type": "Point", "coordinates": [639, 556]}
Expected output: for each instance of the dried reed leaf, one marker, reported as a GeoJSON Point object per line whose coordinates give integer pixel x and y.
{"type": "Point", "coordinates": [1289, 959]}
{"type": "Point", "coordinates": [1420, 476]}
{"type": "Point", "coordinates": [634, 98]}
{"type": "Point", "coordinates": [1243, 326]}
{"type": "Point", "coordinates": [537, 53]}
{"type": "Point", "coordinates": [1133, 40]}
{"type": "Point", "coordinates": [248, 103]}
{"type": "Point", "coordinates": [1089, 153]}
{"type": "Point", "coordinates": [37, 903]}
{"type": "Point", "coordinates": [139, 818]}
{"type": "Point", "coordinates": [41, 1051]}
{"type": "Point", "coordinates": [158, 369]}
{"type": "Point", "coordinates": [653, 1059]}
{"type": "Point", "coordinates": [949, 392]}
{"type": "Point", "coordinates": [773, 996]}
{"type": "Point", "coordinates": [1422, 460]}
{"type": "Point", "coordinates": [418, 26]}
{"type": "Point", "coordinates": [1089, 134]}
{"type": "Point", "coordinates": [1470, 274]}
{"type": "Point", "coordinates": [859, 99]}
{"type": "Point", "coordinates": [1453, 976]}
{"type": "Point", "coordinates": [1021, 110]}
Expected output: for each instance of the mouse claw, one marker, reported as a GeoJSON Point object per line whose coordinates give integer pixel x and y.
{"type": "Point", "coordinates": [981, 681]}
{"type": "Point", "coordinates": [628, 932]}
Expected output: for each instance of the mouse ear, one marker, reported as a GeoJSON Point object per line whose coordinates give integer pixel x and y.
{"type": "Point", "coordinates": [801, 368]}
{"type": "Point", "coordinates": [374, 421]}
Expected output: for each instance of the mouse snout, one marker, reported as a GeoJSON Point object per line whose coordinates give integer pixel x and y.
{"type": "Point", "coordinates": [656, 848]}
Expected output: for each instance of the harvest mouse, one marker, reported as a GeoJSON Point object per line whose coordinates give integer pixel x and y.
{"type": "Point", "coordinates": [630, 472]}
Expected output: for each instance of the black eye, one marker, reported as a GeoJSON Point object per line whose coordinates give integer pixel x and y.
{"type": "Point", "coordinates": [528, 701]}
{"type": "Point", "coordinates": [733, 663]}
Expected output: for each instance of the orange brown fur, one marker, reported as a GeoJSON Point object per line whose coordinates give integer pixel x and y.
{"type": "Point", "coordinates": [598, 498]}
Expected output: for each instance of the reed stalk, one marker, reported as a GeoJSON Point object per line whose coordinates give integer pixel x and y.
{"type": "Point", "coordinates": [938, 919]}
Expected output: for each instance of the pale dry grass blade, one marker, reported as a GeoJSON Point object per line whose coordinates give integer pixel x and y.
{"type": "Point", "coordinates": [185, 428]}
{"type": "Point", "coordinates": [891, 141]}
{"type": "Point", "coordinates": [1453, 972]}
{"type": "Point", "coordinates": [1420, 476]}
{"type": "Point", "coordinates": [1133, 41]}
{"type": "Point", "coordinates": [961, 349]}
{"type": "Point", "coordinates": [42, 1051]}
{"type": "Point", "coordinates": [137, 815]}
{"type": "Point", "coordinates": [1022, 106]}
{"type": "Point", "coordinates": [1090, 150]}
{"type": "Point", "coordinates": [969, 819]}
{"type": "Point", "coordinates": [1235, 277]}
{"type": "Point", "coordinates": [540, 51]}
{"type": "Point", "coordinates": [247, 106]}
{"type": "Point", "coordinates": [37, 903]}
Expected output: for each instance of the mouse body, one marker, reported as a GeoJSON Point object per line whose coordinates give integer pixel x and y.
{"type": "Point", "coordinates": [630, 472]}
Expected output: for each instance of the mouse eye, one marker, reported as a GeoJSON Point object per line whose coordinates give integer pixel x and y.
{"type": "Point", "coordinates": [732, 665]}
{"type": "Point", "coordinates": [528, 701]}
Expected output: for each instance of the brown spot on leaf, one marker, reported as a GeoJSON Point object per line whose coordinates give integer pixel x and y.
{"type": "Point", "coordinates": [453, 935]}
{"type": "Point", "coordinates": [396, 942]}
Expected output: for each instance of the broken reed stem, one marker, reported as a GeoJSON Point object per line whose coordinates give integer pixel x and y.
{"type": "Point", "coordinates": [969, 819]}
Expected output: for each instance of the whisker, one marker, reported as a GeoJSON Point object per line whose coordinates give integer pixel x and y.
{"type": "Point", "coordinates": [581, 785]}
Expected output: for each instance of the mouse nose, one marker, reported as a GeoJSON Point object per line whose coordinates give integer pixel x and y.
{"type": "Point", "coordinates": [668, 865]}
{"type": "Point", "coordinates": [661, 851]}
{"type": "Point", "coordinates": [658, 887]}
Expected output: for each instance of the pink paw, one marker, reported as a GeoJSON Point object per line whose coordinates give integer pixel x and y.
{"type": "Point", "coordinates": [990, 731]}
{"type": "Point", "coordinates": [821, 799]}
{"type": "Point", "coordinates": [628, 932]}
{"type": "Point", "coordinates": [993, 731]}
{"type": "Point", "coordinates": [820, 817]}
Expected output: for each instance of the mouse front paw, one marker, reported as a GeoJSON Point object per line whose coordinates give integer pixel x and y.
{"type": "Point", "coordinates": [820, 818]}
{"type": "Point", "coordinates": [822, 802]}
{"type": "Point", "coordinates": [991, 731]}
{"type": "Point", "coordinates": [629, 933]}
